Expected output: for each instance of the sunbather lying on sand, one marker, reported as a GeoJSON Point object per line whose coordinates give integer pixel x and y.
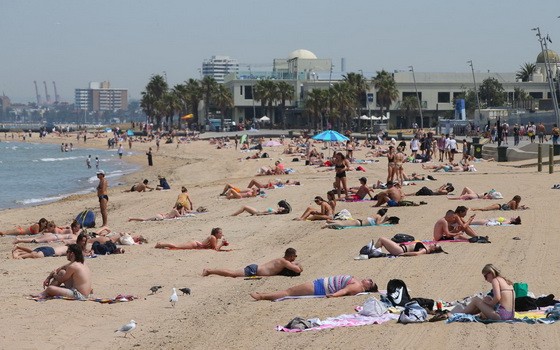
{"type": "Point", "coordinates": [283, 208]}
{"type": "Point", "coordinates": [31, 230]}
{"type": "Point", "coordinates": [397, 249]}
{"type": "Point", "coordinates": [330, 287]}
{"type": "Point", "coordinates": [497, 221]}
{"type": "Point", "coordinates": [53, 237]}
{"type": "Point", "coordinates": [468, 194]}
{"type": "Point", "coordinates": [376, 219]}
{"type": "Point", "coordinates": [285, 266]}
{"type": "Point", "coordinates": [211, 242]}
{"type": "Point", "coordinates": [513, 204]}
{"type": "Point", "coordinates": [176, 212]}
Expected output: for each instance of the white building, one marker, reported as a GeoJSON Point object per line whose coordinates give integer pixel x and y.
{"type": "Point", "coordinates": [100, 97]}
{"type": "Point", "coordinates": [219, 66]}
{"type": "Point", "coordinates": [437, 91]}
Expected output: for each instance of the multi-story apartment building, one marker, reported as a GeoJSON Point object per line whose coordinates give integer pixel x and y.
{"type": "Point", "coordinates": [100, 97]}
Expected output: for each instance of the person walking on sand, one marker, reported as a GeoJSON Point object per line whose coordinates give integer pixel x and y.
{"type": "Point", "coordinates": [103, 196]}
{"type": "Point", "coordinates": [149, 154]}
{"type": "Point", "coordinates": [285, 266]}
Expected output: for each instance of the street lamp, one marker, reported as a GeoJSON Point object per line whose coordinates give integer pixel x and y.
{"type": "Point", "coordinates": [475, 91]}
{"type": "Point", "coordinates": [417, 97]}
{"type": "Point", "coordinates": [544, 50]}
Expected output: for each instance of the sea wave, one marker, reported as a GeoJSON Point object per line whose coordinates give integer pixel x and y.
{"type": "Point", "coordinates": [52, 198]}
{"type": "Point", "coordinates": [58, 159]}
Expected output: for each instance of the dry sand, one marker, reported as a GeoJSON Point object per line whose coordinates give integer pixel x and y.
{"type": "Point", "coordinates": [220, 313]}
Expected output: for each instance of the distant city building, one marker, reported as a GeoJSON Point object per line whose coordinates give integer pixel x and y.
{"type": "Point", "coordinates": [4, 104]}
{"type": "Point", "coordinates": [219, 66]}
{"type": "Point", "coordinates": [100, 97]}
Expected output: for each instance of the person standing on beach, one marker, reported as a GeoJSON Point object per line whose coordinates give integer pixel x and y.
{"type": "Point", "coordinates": [130, 143]}
{"type": "Point", "coordinates": [102, 195]}
{"type": "Point", "coordinates": [88, 162]}
{"type": "Point", "coordinates": [149, 154]}
{"type": "Point", "coordinates": [121, 150]}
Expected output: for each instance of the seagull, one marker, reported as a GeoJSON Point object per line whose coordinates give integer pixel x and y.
{"type": "Point", "coordinates": [185, 291]}
{"type": "Point", "coordinates": [154, 289]}
{"type": "Point", "coordinates": [173, 298]}
{"type": "Point", "coordinates": [127, 328]}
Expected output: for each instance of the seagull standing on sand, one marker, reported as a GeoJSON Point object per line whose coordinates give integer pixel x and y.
{"type": "Point", "coordinates": [127, 328]}
{"type": "Point", "coordinates": [173, 298]}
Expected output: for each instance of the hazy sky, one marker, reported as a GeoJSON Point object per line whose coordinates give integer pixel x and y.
{"type": "Point", "coordinates": [74, 42]}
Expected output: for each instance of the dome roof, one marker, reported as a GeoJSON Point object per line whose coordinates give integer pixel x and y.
{"type": "Point", "coordinates": [551, 56]}
{"type": "Point", "coordinates": [301, 53]}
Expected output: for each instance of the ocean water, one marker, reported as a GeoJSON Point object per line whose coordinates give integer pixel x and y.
{"type": "Point", "coordinates": [33, 174]}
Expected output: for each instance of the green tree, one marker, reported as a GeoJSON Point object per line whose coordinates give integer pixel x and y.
{"type": "Point", "coordinates": [266, 91]}
{"type": "Point", "coordinates": [343, 101]}
{"type": "Point", "coordinates": [525, 71]}
{"type": "Point", "coordinates": [208, 85]}
{"type": "Point", "coordinates": [152, 98]}
{"type": "Point", "coordinates": [315, 102]}
{"type": "Point", "coordinates": [408, 105]}
{"type": "Point", "coordinates": [193, 96]}
{"type": "Point", "coordinates": [170, 106]}
{"type": "Point", "coordinates": [285, 92]}
{"type": "Point", "coordinates": [386, 87]}
{"type": "Point", "coordinates": [492, 92]}
{"type": "Point", "coordinates": [359, 85]}
{"type": "Point", "coordinates": [223, 100]}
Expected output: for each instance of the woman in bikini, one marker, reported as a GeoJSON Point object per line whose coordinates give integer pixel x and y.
{"type": "Point", "coordinates": [325, 211]}
{"type": "Point", "coordinates": [330, 287]}
{"type": "Point", "coordinates": [468, 194]}
{"type": "Point", "coordinates": [398, 166]}
{"type": "Point", "coordinates": [176, 212]}
{"type": "Point", "coordinates": [396, 249]}
{"type": "Point", "coordinates": [246, 193]}
{"type": "Point", "coordinates": [212, 242]}
{"type": "Point", "coordinates": [31, 230]}
{"type": "Point", "coordinates": [499, 306]}
{"type": "Point", "coordinates": [341, 166]}
{"type": "Point", "coordinates": [513, 204]}
{"type": "Point", "coordinates": [103, 196]}
{"type": "Point", "coordinates": [377, 219]}
{"type": "Point", "coordinates": [350, 150]}
{"type": "Point", "coordinates": [54, 234]}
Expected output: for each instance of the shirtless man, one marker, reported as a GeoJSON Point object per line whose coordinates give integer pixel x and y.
{"type": "Point", "coordinates": [362, 191]}
{"type": "Point", "coordinates": [278, 267]}
{"type": "Point", "coordinates": [442, 231]}
{"type": "Point", "coordinates": [392, 196]}
{"type": "Point", "coordinates": [140, 187]}
{"type": "Point", "coordinates": [71, 280]}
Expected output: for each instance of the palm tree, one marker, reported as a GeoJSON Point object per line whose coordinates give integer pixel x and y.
{"type": "Point", "coordinates": [208, 85]}
{"type": "Point", "coordinates": [525, 71]}
{"type": "Point", "coordinates": [343, 101]}
{"type": "Point", "coordinates": [152, 98]}
{"type": "Point", "coordinates": [266, 92]}
{"type": "Point", "coordinates": [315, 102]}
{"type": "Point", "coordinates": [358, 85]}
{"type": "Point", "coordinates": [285, 92]}
{"type": "Point", "coordinates": [409, 104]}
{"type": "Point", "coordinates": [223, 100]}
{"type": "Point", "coordinates": [170, 106]}
{"type": "Point", "coordinates": [193, 95]}
{"type": "Point", "coordinates": [386, 88]}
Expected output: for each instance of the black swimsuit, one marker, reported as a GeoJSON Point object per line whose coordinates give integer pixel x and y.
{"type": "Point", "coordinates": [417, 247]}
{"type": "Point", "coordinates": [342, 173]}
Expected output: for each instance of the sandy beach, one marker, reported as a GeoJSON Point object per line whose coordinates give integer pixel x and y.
{"type": "Point", "coordinates": [220, 313]}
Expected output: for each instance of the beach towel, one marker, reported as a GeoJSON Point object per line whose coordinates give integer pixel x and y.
{"type": "Point", "coordinates": [345, 320]}
{"type": "Point", "coordinates": [309, 296]}
{"type": "Point", "coordinates": [121, 298]}
{"type": "Point", "coordinates": [519, 318]}
{"type": "Point", "coordinates": [344, 227]}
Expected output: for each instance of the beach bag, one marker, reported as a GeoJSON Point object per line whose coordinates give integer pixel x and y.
{"type": "Point", "coordinates": [373, 308]}
{"type": "Point", "coordinates": [86, 219]}
{"type": "Point", "coordinates": [265, 155]}
{"type": "Point", "coordinates": [393, 220]}
{"type": "Point", "coordinates": [298, 323]}
{"type": "Point", "coordinates": [413, 313]}
{"type": "Point", "coordinates": [521, 289]}
{"type": "Point", "coordinates": [397, 293]}
{"type": "Point", "coordinates": [286, 206]}
{"type": "Point", "coordinates": [402, 238]}
{"type": "Point", "coordinates": [126, 239]}
{"type": "Point", "coordinates": [424, 191]}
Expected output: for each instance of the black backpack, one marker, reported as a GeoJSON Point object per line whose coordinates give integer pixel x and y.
{"type": "Point", "coordinates": [402, 238]}
{"type": "Point", "coordinates": [424, 191]}
{"type": "Point", "coordinates": [397, 293]}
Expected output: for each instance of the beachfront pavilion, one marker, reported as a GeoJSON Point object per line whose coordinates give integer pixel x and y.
{"type": "Point", "coordinates": [437, 91]}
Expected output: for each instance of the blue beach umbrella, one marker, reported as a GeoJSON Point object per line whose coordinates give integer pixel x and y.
{"type": "Point", "coordinates": [330, 135]}
{"type": "Point", "coordinates": [130, 133]}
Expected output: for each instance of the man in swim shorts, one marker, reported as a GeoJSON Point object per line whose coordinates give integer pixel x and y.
{"type": "Point", "coordinates": [20, 252]}
{"type": "Point", "coordinates": [278, 267]}
{"type": "Point", "coordinates": [72, 280]}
